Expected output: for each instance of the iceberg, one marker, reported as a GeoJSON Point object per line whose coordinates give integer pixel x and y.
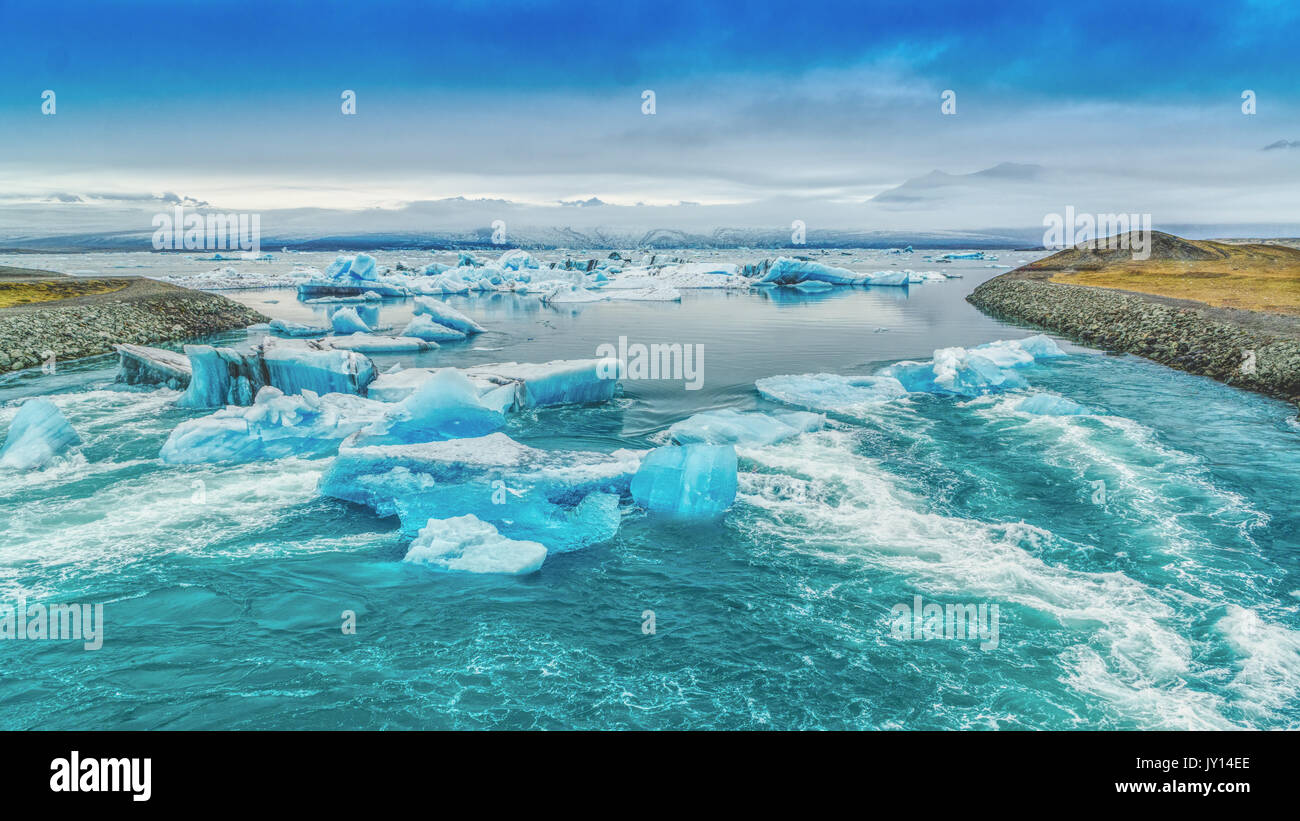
{"type": "Point", "coordinates": [296, 366]}
{"type": "Point", "coordinates": [513, 386]}
{"type": "Point", "coordinates": [446, 406]}
{"type": "Point", "coordinates": [516, 260]}
{"type": "Point", "coordinates": [444, 314]}
{"type": "Point", "coordinates": [831, 392]}
{"type": "Point", "coordinates": [468, 544]}
{"type": "Point", "coordinates": [140, 365]}
{"type": "Point", "coordinates": [424, 327]}
{"type": "Point", "coordinates": [1046, 404]}
{"type": "Point", "coordinates": [37, 435]}
{"type": "Point", "coordinates": [375, 343]}
{"type": "Point", "coordinates": [687, 480]}
{"type": "Point", "coordinates": [222, 376]}
{"type": "Point", "coordinates": [273, 427]}
{"type": "Point", "coordinates": [348, 321]}
{"type": "Point", "coordinates": [786, 271]}
{"type": "Point", "coordinates": [296, 329]}
{"type": "Point", "coordinates": [564, 499]}
{"type": "Point", "coordinates": [983, 369]}
{"type": "Point", "coordinates": [731, 427]}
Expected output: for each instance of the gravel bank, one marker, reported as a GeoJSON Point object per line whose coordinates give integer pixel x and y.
{"type": "Point", "coordinates": [144, 312]}
{"type": "Point", "coordinates": [1189, 336]}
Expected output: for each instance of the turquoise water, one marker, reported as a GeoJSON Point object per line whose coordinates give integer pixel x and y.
{"type": "Point", "coordinates": [1169, 603]}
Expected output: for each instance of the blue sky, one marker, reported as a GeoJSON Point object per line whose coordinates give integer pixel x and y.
{"type": "Point", "coordinates": [826, 103]}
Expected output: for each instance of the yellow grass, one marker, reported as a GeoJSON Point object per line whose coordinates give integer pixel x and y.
{"type": "Point", "coordinates": [23, 293]}
{"type": "Point", "coordinates": [1251, 277]}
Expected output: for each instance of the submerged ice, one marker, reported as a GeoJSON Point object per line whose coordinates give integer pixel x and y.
{"type": "Point", "coordinates": [468, 544]}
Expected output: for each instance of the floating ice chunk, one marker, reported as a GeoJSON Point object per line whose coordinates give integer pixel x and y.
{"type": "Point", "coordinates": [660, 294]}
{"type": "Point", "coordinates": [687, 480]}
{"type": "Point", "coordinates": [786, 271]}
{"type": "Point", "coordinates": [564, 499]}
{"type": "Point", "coordinates": [444, 314]}
{"type": "Point", "coordinates": [516, 260]}
{"type": "Point", "coordinates": [434, 268]}
{"type": "Point", "coordinates": [470, 545]}
{"type": "Point", "coordinates": [955, 371]}
{"type": "Point", "coordinates": [886, 278]}
{"type": "Point", "coordinates": [512, 386]}
{"type": "Point", "coordinates": [424, 327]}
{"type": "Point", "coordinates": [559, 382]}
{"type": "Point", "coordinates": [375, 343]}
{"type": "Point", "coordinates": [322, 290]}
{"type": "Point", "coordinates": [140, 365]}
{"type": "Point", "coordinates": [222, 376]}
{"type": "Point", "coordinates": [296, 329]}
{"type": "Point", "coordinates": [362, 267]}
{"type": "Point", "coordinates": [339, 267]}
{"type": "Point", "coordinates": [831, 392]}
{"type": "Point", "coordinates": [922, 276]}
{"type": "Point", "coordinates": [348, 321]}
{"type": "Point", "coordinates": [984, 369]}
{"type": "Point", "coordinates": [296, 366]}
{"type": "Point", "coordinates": [731, 427]}
{"type": "Point", "coordinates": [275, 426]}
{"type": "Point", "coordinates": [446, 406]}
{"type": "Point", "coordinates": [1046, 404]}
{"type": "Point", "coordinates": [574, 296]}
{"type": "Point", "coordinates": [467, 260]}
{"type": "Point", "coordinates": [37, 435]}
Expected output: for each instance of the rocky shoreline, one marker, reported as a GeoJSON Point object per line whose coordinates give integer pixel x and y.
{"type": "Point", "coordinates": [1246, 349]}
{"type": "Point", "coordinates": [142, 311]}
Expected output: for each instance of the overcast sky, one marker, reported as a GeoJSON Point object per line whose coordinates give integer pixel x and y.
{"type": "Point", "coordinates": [764, 111]}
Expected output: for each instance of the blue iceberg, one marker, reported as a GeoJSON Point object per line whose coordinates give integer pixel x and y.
{"type": "Point", "coordinates": [37, 435]}
{"type": "Point", "coordinates": [297, 366]}
{"type": "Point", "coordinates": [513, 386]}
{"type": "Point", "coordinates": [467, 544]}
{"type": "Point", "coordinates": [348, 321]}
{"type": "Point", "coordinates": [376, 343]}
{"type": "Point", "coordinates": [445, 406]}
{"type": "Point", "coordinates": [141, 365]}
{"type": "Point", "coordinates": [274, 427]}
{"type": "Point", "coordinates": [424, 327]}
{"type": "Point", "coordinates": [731, 427]}
{"type": "Point", "coordinates": [296, 329]}
{"type": "Point", "coordinates": [444, 314]}
{"type": "Point", "coordinates": [984, 369]}
{"type": "Point", "coordinates": [222, 376]}
{"type": "Point", "coordinates": [563, 499]}
{"type": "Point", "coordinates": [687, 480]}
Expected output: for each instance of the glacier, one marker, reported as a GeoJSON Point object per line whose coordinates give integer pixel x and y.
{"type": "Point", "coordinates": [732, 427]}
{"type": "Point", "coordinates": [467, 544]}
{"type": "Point", "coordinates": [689, 481]}
{"type": "Point", "coordinates": [37, 435]}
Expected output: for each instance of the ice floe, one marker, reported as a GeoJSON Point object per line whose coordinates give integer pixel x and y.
{"type": "Point", "coordinates": [687, 480]}
{"type": "Point", "coordinates": [564, 499]}
{"type": "Point", "coordinates": [732, 427]}
{"type": "Point", "coordinates": [468, 544]}
{"type": "Point", "coordinates": [141, 365]}
{"type": "Point", "coordinates": [37, 435]}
